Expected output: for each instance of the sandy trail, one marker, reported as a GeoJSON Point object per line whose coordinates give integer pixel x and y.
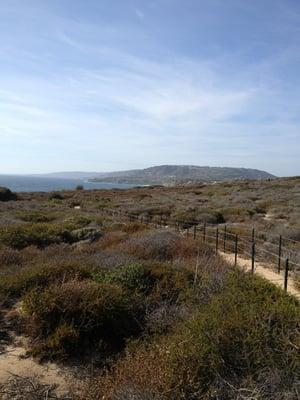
{"type": "Point", "coordinates": [274, 277]}
{"type": "Point", "coordinates": [15, 362]}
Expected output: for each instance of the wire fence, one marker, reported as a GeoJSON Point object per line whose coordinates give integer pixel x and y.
{"type": "Point", "coordinates": [280, 255]}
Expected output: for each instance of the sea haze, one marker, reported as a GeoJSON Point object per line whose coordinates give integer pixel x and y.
{"type": "Point", "coordinates": [18, 183]}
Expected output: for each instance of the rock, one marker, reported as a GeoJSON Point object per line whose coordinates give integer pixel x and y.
{"type": "Point", "coordinates": [6, 194]}
{"type": "Point", "coordinates": [85, 234]}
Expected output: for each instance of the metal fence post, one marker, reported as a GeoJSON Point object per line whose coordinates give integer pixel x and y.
{"type": "Point", "coordinates": [286, 274]}
{"type": "Point", "coordinates": [236, 250]}
{"type": "Point", "coordinates": [279, 253]}
{"type": "Point", "coordinates": [253, 258]}
{"type": "Point", "coordinates": [195, 231]}
{"type": "Point", "coordinates": [217, 240]}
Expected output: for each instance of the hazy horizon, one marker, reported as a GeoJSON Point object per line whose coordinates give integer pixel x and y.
{"type": "Point", "coordinates": [50, 172]}
{"type": "Point", "coordinates": [127, 84]}
{"type": "Point", "coordinates": [148, 166]}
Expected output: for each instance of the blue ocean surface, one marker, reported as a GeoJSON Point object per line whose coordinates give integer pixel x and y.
{"type": "Point", "coordinates": [17, 183]}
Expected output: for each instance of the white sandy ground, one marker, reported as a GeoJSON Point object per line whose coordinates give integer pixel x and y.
{"type": "Point", "coordinates": [13, 360]}
{"type": "Point", "coordinates": [268, 216]}
{"type": "Point", "coordinates": [272, 276]}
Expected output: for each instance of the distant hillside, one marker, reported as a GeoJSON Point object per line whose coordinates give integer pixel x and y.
{"type": "Point", "coordinates": [175, 174]}
{"type": "Point", "coordinates": [69, 175]}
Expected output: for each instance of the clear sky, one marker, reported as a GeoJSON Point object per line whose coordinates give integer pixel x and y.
{"type": "Point", "coordinates": [101, 85]}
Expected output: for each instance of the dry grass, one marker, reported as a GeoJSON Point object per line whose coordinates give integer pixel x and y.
{"type": "Point", "coordinates": [22, 388]}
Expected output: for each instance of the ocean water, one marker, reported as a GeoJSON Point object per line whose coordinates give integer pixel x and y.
{"type": "Point", "coordinates": [37, 184]}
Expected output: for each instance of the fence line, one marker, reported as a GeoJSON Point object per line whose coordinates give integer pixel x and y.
{"type": "Point", "coordinates": [235, 243]}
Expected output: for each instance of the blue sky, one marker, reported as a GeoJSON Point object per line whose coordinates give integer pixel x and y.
{"type": "Point", "coordinates": [101, 85]}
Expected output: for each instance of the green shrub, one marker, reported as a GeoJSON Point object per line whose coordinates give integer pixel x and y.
{"type": "Point", "coordinates": [169, 283]}
{"type": "Point", "coordinates": [133, 278]}
{"type": "Point", "coordinates": [250, 327]}
{"type": "Point", "coordinates": [100, 313]}
{"type": "Point", "coordinates": [158, 281]}
{"type": "Point", "coordinates": [60, 343]}
{"type": "Point", "coordinates": [133, 227]}
{"type": "Point", "coordinates": [35, 216]}
{"type": "Point", "coordinates": [55, 196]}
{"type": "Point", "coordinates": [77, 220]}
{"type": "Point", "coordinates": [249, 331]}
{"type": "Point", "coordinates": [67, 318]}
{"type": "Point", "coordinates": [39, 234]}
{"type": "Point", "coordinates": [40, 276]}
{"type": "Point", "coordinates": [6, 194]}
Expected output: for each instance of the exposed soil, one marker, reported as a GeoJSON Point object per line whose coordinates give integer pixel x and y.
{"type": "Point", "coordinates": [274, 277]}
{"type": "Point", "coordinates": [16, 366]}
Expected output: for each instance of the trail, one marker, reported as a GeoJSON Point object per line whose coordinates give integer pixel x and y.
{"type": "Point", "coordinates": [273, 277]}
{"type": "Point", "coordinates": [14, 360]}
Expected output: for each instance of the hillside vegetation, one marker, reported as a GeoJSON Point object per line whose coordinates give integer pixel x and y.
{"type": "Point", "coordinates": [138, 312]}
{"type": "Point", "coordinates": [174, 174]}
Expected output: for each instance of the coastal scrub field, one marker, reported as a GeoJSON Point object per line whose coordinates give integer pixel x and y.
{"type": "Point", "coordinates": [134, 310]}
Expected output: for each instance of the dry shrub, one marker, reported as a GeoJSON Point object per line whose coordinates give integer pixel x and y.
{"type": "Point", "coordinates": [66, 319]}
{"type": "Point", "coordinates": [110, 258]}
{"type": "Point", "coordinates": [134, 227]}
{"type": "Point", "coordinates": [168, 283]}
{"type": "Point", "coordinates": [270, 384]}
{"type": "Point", "coordinates": [24, 388]}
{"type": "Point", "coordinates": [36, 216]}
{"type": "Point", "coordinates": [38, 234]}
{"type": "Point", "coordinates": [143, 373]}
{"type": "Point", "coordinates": [251, 328]}
{"type": "Point", "coordinates": [163, 318]}
{"type": "Point", "coordinates": [9, 256]}
{"type": "Point", "coordinates": [164, 245]}
{"type": "Point", "coordinates": [40, 275]}
{"type": "Point", "coordinates": [65, 313]}
{"type": "Point", "coordinates": [154, 245]}
{"type": "Point", "coordinates": [129, 227]}
{"type": "Point", "coordinates": [292, 234]}
{"type": "Point", "coordinates": [188, 247]}
{"type": "Point", "coordinates": [110, 239]}
{"type": "Point", "coordinates": [156, 282]}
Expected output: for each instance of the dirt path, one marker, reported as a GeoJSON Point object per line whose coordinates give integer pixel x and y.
{"type": "Point", "coordinates": [14, 362]}
{"type": "Point", "coordinates": [271, 276]}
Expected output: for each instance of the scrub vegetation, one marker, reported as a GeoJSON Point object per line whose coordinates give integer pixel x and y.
{"type": "Point", "coordinates": [138, 312]}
